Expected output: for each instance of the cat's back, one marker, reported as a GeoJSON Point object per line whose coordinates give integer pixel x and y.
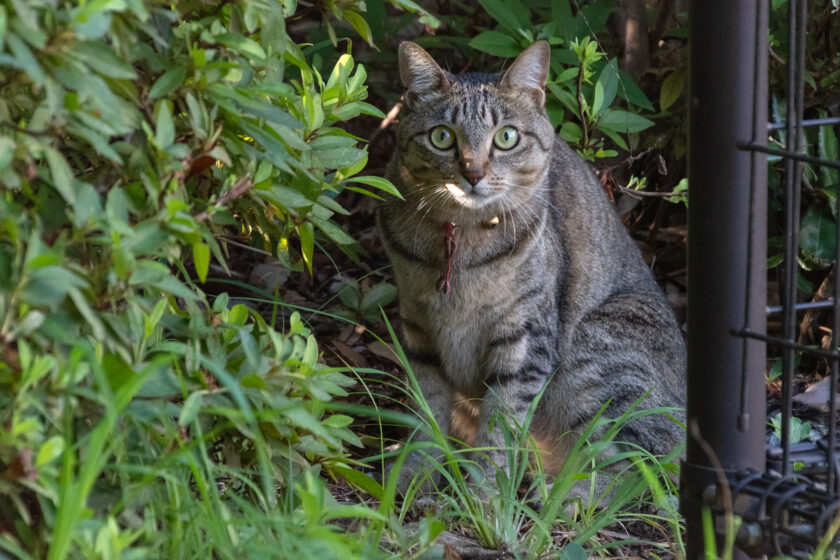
{"type": "Point", "coordinates": [600, 257]}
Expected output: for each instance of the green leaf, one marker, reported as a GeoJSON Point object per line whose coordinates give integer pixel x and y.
{"type": "Point", "coordinates": [304, 419]}
{"type": "Point", "coordinates": [47, 285]}
{"type": "Point", "coordinates": [62, 176]}
{"type": "Point", "coordinates": [349, 295]}
{"type": "Point", "coordinates": [817, 238]}
{"type": "Point", "coordinates": [333, 231]}
{"type": "Point", "coordinates": [4, 19]}
{"type": "Point", "coordinates": [50, 451]}
{"type": "Point", "coordinates": [566, 75]}
{"type": "Point", "coordinates": [87, 207]}
{"type": "Point", "coordinates": [242, 45]}
{"type": "Point", "coordinates": [332, 205]}
{"type": "Point", "coordinates": [151, 273]}
{"type": "Point", "coordinates": [25, 60]}
{"type": "Point", "coordinates": [284, 197]}
{"type": "Point", "coordinates": [608, 85]}
{"type": "Point", "coordinates": [672, 88]}
{"type": "Point", "coordinates": [775, 260]}
{"type": "Point", "coordinates": [426, 17]}
{"type": "Point", "coordinates": [831, 192]}
{"type": "Point", "coordinates": [613, 135]}
{"type": "Point", "coordinates": [359, 24]}
{"type": "Point", "coordinates": [828, 150]}
{"type": "Point", "coordinates": [86, 311]}
{"type": "Point", "coordinates": [571, 132]}
{"type": "Point", "coordinates": [238, 315]}
{"type": "Point", "coordinates": [201, 260]}
{"type": "Point", "coordinates": [561, 14]}
{"type": "Point", "coordinates": [593, 16]}
{"type": "Point", "coordinates": [310, 353]}
{"type": "Point", "coordinates": [102, 59]}
{"type": "Point", "coordinates": [776, 369]}
{"type": "Point", "coordinates": [430, 528]}
{"type": "Point", "coordinates": [189, 411]}
{"type": "Point", "coordinates": [378, 183]}
{"type": "Point", "coordinates": [573, 551]}
{"type": "Point", "coordinates": [7, 150]}
{"type": "Point", "coordinates": [627, 89]}
{"type": "Point", "coordinates": [360, 480]}
{"type": "Point", "coordinates": [510, 14]}
{"type": "Point", "coordinates": [165, 128]}
{"type": "Point", "coordinates": [307, 243]}
{"type": "Point", "coordinates": [497, 44]}
{"type": "Point", "coordinates": [338, 421]}
{"type": "Point", "coordinates": [624, 121]}
{"type": "Point", "coordinates": [380, 295]}
{"type": "Point", "coordinates": [597, 99]}
{"type": "Point", "coordinates": [249, 345]}
{"type": "Point", "coordinates": [168, 81]}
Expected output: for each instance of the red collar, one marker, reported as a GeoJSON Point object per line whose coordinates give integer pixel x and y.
{"type": "Point", "coordinates": [451, 248]}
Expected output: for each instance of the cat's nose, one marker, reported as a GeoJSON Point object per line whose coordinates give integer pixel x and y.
{"type": "Point", "coordinates": [473, 176]}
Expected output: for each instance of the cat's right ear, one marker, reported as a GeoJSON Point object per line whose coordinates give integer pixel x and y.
{"type": "Point", "coordinates": [529, 71]}
{"type": "Point", "coordinates": [420, 74]}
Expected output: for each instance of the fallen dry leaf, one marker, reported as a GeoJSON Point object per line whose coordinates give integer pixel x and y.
{"type": "Point", "coordinates": [383, 351]}
{"type": "Point", "coordinates": [353, 358]}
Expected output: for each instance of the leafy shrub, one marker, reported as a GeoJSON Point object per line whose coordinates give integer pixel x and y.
{"type": "Point", "coordinates": [132, 136]}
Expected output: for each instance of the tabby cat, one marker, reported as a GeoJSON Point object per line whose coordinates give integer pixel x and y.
{"type": "Point", "coordinates": [514, 270]}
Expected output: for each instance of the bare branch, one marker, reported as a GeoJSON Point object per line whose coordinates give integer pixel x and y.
{"type": "Point", "coordinates": [239, 188]}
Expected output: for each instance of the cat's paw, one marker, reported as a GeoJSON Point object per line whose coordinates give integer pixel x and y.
{"type": "Point", "coordinates": [416, 475]}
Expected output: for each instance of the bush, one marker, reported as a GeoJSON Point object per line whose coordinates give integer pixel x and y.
{"type": "Point", "coordinates": [137, 414]}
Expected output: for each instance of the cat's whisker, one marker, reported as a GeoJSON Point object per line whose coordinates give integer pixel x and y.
{"type": "Point", "coordinates": [530, 216]}
{"type": "Point", "coordinates": [437, 197]}
{"type": "Point", "coordinates": [539, 193]}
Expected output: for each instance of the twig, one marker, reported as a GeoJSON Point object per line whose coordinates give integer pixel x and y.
{"type": "Point", "coordinates": [34, 133]}
{"type": "Point", "coordinates": [239, 188]}
{"type": "Point", "coordinates": [666, 8]}
{"type": "Point", "coordinates": [579, 98]}
{"type": "Point", "coordinates": [634, 193]}
{"type": "Point", "coordinates": [725, 498]}
{"type": "Point", "coordinates": [630, 159]}
{"type": "Point", "coordinates": [823, 293]}
{"type": "Point", "coordinates": [235, 243]}
{"type": "Point", "coordinates": [386, 122]}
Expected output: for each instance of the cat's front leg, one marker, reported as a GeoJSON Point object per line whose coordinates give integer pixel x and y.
{"type": "Point", "coordinates": [513, 382]}
{"type": "Point", "coordinates": [436, 393]}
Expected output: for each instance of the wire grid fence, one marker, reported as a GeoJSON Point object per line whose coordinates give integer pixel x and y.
{"type": "Point", "coordinates": [789, 507]}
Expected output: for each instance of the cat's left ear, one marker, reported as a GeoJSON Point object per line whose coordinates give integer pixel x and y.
{"type": "Point", "coordinates": [420, 74]}
{"type": "Point", "coordinates": [529, 71]}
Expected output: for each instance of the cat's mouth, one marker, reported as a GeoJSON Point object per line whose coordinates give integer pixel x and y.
{"type": "Point", "coordinates": [476, 197]}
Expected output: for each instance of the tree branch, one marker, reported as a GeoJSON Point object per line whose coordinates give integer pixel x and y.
{"type": "Point", "coordinates": [239, 188]}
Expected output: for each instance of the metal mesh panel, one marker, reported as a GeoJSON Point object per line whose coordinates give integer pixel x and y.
{"type": "Point", "coordinates": [788, 500]}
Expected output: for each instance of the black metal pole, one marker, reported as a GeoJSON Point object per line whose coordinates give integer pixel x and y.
{"type": "Point", "coordinates": [726, 251]}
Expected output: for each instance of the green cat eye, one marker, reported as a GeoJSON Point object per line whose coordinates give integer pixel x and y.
{"type": "Point", "coordinates": [506, 138]}
{"type": "Point", "coordinates": [441, 137]}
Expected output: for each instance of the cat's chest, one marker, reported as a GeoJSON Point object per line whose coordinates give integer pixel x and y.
{"type": "Point", "coordinates": [473, 264]}
{"type": "Point", "coordinates": [460, 324]}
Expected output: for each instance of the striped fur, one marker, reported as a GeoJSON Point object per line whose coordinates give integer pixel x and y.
{"type": "Point", "coordinates": [555, 290]}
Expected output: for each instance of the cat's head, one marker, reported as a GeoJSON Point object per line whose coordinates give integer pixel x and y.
{"type": "Point", "coordinates": [475, 143]}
